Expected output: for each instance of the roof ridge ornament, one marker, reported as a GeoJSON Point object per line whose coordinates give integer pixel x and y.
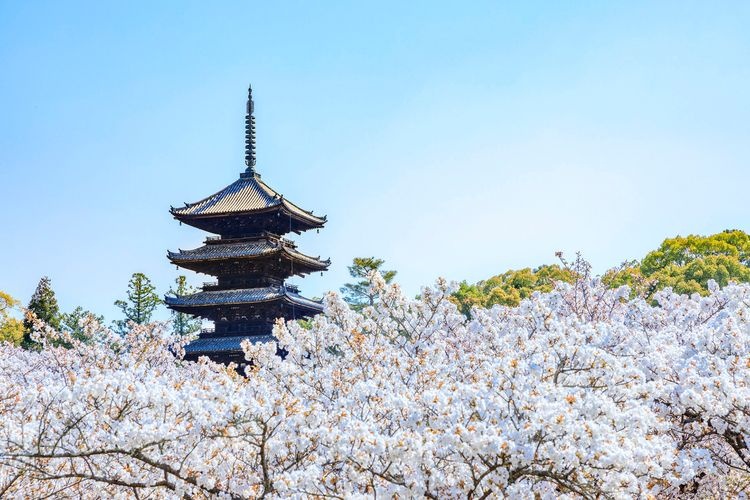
{"type": "Point", "coordinates": [250, 133]}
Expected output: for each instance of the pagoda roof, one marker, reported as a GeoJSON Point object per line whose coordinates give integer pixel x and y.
{"type": "Point", "coordinates": [242, 296]}
{"type": "Point", "coordinates": [224, 344]}
{"type": "Point", "coordinates": [247, 195]}
{"type": "Point", "coordinates": [245, 250]}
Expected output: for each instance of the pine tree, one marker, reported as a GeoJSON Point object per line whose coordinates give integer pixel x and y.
{"type": "Point", "coordinates": [183, 323]}
{"type": "Point", "coordinates": [44, 306]}
{"type": "Point", "coordinates": [359, 294]}
{"type": "Point", "coordinates": [141, 302]}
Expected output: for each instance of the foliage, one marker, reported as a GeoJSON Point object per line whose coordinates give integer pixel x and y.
{"type": "Point", "coordinates": [629, 274]}
{"type": "Point", "coordinates": [680, 251]}
{"type": "Point", "coordinates": [579, 392]}
{"type": "Point", "coordinates": [43, 306]}
{"type": "Point", "coordinates": [7, 303]}
{"type": "Point", "coordinates": [359, 294]}
{"type": "Point", "coordinates": [73, 322]}
{"type": "Point", "coordinates": [184, 324]}
{"type": "Point", "coordinates": [11, 329]}
{"type": "Point", "coordinates": [141, 302]}
{"type": "Point", "coordinates": [684, 264]}
{"type": "Point", "coordinates": [687, 264]}
{"type": "Point", "coordinates": [511, 287]}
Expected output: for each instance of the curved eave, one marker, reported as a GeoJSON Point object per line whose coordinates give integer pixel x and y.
{"type": "Point", "coordinates": [316, 263]}
{"type": "Point", "coordinates": [223, 344]}
{"type": "Point", "coordinates": [284, 208]}
{"type": "Point", "coordinates": [295, 210]}
{"type": "Point", "coordinates": [182, 215]}
{"type": "Point", "coordinates": [186, 257]}
{"type": "Point", "coordinates": [246, 193]}
{"type": "Point", "coordinates": [202, 300]}
{"type": "Point", "coordinates": [247, 196]}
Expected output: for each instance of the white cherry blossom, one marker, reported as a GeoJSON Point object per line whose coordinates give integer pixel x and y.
{"type": "Point", "coordinates": [575, 393]}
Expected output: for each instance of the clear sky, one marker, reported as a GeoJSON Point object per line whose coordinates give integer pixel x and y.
{"type": "Point", "coordinates": [451, 139]}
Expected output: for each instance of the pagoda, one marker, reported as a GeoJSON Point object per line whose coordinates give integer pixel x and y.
{"type": "Point", "coordinates": [249, 258]}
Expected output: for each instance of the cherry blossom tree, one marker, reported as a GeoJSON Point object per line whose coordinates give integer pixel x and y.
{"type": "Point", "coordinates": [577, 393]}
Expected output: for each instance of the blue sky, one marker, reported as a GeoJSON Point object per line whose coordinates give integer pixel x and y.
{"type": "Point", "coordinates": [451, 139]}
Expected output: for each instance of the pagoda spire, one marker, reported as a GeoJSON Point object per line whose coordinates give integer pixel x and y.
{"type": "Point", "coordinates": [250, 133]}
{"type": "Point", "coordinates": [249, 259]}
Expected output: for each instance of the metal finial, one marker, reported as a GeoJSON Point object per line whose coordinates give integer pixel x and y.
{"type": "Point", "coordinates": [250, 133]}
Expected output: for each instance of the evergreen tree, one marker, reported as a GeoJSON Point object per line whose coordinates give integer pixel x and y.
{"type": "Point", "coordinates": [183, 323]}
{"type": "Point", "coordinates": [44, 306]}
{"type": "Point", "coordinates": [71, 322]}
{"type": "Point", "coordinates": [141, 302]}
{"type": "Point", "coordinates": [359, 294]}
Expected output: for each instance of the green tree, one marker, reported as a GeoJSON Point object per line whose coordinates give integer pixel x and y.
{"type": "Point", "coordinates": [71, 322]}
{"type": "Point", "coordinates": [183, 323]}
{"type": "Point", "coordinates": [686, 264]}
{"type": "Point", "coordinates": [680, 251]}
{"type": "Point", "coordinates": [359, 294]}
{"type": "Point", "coordinates": [11, 329]}
{"type": "Point", "coordinates": [43, 306]}
{"type": "Point", "coordinates": [468, 296]}
{"type": "Point", "coordinates": [629, 273]}
{"type": "Point", "coordinates": [141, 303]}
{"type": "Point", "coordinates": [510, 287]}
{"type": "Point", "coordinates": [7, 304]}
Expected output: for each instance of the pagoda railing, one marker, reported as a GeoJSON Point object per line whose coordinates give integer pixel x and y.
{"type": "Point", "coordinates": [281, 239]}
{"type": "Point", "coordinates": [264, 234]}
{"type": "Point", "coordinates": [214, 285]}
{"type": "Point", "coordinates": [246, 330]}
{"type": "Point", "coordinates": [287, 242]}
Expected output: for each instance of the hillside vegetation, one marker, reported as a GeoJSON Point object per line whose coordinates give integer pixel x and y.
{"type": "Point", "coordinates": [684, 264]}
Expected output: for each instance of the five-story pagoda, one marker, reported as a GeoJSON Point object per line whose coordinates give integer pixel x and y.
{"type": "Point", "coordinates": [249, 258]}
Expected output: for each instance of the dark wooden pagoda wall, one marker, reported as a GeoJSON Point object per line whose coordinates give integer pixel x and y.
{"type": "Point", "coordinates": [269, 270]}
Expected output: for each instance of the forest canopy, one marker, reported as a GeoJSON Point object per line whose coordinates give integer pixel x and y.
{"type": "Point", "coordinates": [684, 264]}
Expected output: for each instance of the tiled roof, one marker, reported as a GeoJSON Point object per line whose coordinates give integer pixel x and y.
{"type": "Point", "coordinates": [224, 344]}
{"type": "Point", "coordinates": [247, 194]}
{"type": "Point", "coordinates": [226, 250]}
{"type": "Point", "coordinates": [242, 296]}
{"type": "Point", "coordinates": [246, 249]}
